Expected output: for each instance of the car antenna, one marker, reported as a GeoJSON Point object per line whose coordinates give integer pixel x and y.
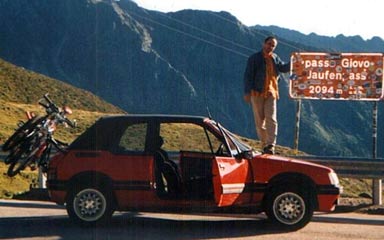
{"type": "Point", "coordinates": [206, 103]}
{"type": "Point", "coordinates": [209, 113]}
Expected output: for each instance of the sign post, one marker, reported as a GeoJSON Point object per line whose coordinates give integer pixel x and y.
{"type": "Point", "coordinates": [340, 76]}
{"type": "Point", "coordinates": [377, 184]}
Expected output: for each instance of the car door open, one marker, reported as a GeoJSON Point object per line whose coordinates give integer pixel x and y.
{"type": "Point", "coordinates": [230, 176]}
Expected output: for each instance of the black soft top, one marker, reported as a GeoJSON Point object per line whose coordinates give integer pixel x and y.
{"type": "Point", "coordinates": [109, 128]}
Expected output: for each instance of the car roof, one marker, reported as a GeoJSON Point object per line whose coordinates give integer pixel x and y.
{"type": "Point", "coordinates": [107, 128]}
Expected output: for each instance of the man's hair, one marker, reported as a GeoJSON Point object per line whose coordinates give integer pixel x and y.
{"type": "Point", "coordinates": [269, 38]}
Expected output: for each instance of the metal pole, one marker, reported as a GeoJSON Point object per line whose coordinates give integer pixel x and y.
{"type": "Point", "coordinates": [41, 179]}
{"type": "Point", "coordinates": [297, 126]}
{"type": "Point", "coordinates": [374, 131]}
{"type": "Point", "coordinates": [377, 184]}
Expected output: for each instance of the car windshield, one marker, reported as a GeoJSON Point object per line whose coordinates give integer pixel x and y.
{"type": "Point", "coordinates": [236, 145]}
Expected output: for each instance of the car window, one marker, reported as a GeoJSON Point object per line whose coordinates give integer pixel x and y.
{"type": "Point", "coordinates": [133, 138]}
{"type": "Point", "coordinates": [187, 137]}
{"type": "Point", "coordinates": [216, 143]}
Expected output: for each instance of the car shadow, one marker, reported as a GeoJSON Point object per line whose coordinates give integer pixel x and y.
{"type": "Point", "coordinates": [30, 204]}
{"type": "Point", "coordinates": [133, 226]}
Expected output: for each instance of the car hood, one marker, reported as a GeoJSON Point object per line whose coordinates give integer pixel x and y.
{"type": "Point", "coordinates": [290, 161]}
{"type": "Point", "coordinates": [272, 165]}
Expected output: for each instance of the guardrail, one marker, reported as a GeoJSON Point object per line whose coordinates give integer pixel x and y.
{"type": "Point", "coordinates": [350, 167]}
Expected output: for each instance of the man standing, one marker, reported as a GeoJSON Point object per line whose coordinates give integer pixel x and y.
{"type": "Point", "coordinates": [261, 90]}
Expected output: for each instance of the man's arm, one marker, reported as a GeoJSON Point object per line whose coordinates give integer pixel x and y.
{"type": "Point", "coordinates": [248, 78]}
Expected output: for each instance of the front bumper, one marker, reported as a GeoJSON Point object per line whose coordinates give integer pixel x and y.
{"type": "Point", "coordinates": [328, 197]}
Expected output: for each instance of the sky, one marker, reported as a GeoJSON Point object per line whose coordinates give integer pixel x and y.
{"type": "Point", "coordinates": [323, 17]}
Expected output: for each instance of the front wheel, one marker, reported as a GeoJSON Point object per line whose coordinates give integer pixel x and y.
{"type": "Point", "coordinates": [90, 205]}
{"type": "Point", "coordinates": [289, 208]}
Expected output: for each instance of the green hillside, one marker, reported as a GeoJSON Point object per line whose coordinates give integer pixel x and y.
{"type": "Point", "coordinates": [20, 91]}
{"type": "Point", "coordinates": [19, 85]}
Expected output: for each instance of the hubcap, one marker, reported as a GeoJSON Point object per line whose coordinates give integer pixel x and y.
{"type": "Point", "coordinates": [89, 204]}
{"type": "Point", "coordinates": [289, 208]}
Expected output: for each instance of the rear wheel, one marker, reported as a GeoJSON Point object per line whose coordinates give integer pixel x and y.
{"type": "Point", "coordinates": [16, 166]}
{"type": "Point", "coordinates": [22, 133]}
{"type": "Point", "coordinates": [90, 205]}
{"type": "Point", "coordinates": [22, 155]}
{"type": "Point", "coordinates": [289, 208]}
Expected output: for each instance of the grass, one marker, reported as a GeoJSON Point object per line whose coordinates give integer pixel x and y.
{"type": "Point", "coordinates": [19, 85]}
{"type": "Point", "coordinates": [11, 186]}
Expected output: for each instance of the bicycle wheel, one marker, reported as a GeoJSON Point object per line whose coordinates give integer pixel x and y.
{"type": "Point", "coordinates": [12, 156]}
{"type": "Point", "coordinates": [16, 166]}
{"type": "Point", "coordinates": [22, 133]}
{"type": "Point", "coordinates": [24, 156]}
{"type": "Point", "coordinates": [24, 147]}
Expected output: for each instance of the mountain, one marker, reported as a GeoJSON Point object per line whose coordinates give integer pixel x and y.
{"type": "Point", "coordinates": [186, 62]}
{"type": "Point", "coordinates": [340, 43]}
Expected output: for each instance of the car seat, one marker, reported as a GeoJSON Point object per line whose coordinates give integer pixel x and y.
{"type": "Point", "coordinates": [167, 177]}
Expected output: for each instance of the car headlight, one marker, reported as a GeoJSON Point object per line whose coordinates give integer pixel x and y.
{"type": "Point", "coordinates": [334, 179]}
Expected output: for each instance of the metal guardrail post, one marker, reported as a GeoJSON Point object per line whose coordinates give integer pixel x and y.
{"type": "Point", "coordinates": [377, 183]}
{"type": "Point", "coordinates": [42, 179]}
{"type": "Point", "coordinates": [297, 126]}
{"type": "Point", "coordinates": [377, 192]}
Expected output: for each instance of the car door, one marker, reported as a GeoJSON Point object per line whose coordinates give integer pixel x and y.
{"type": "Point", "coordinates": [230, 174]}
{"type": "Point", "coordinates": [133, 167]}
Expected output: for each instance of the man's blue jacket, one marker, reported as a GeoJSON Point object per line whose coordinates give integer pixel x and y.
{"type": "Point", "coordinates": [254, 76]}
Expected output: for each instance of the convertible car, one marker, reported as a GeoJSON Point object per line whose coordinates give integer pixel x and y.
{"type": "Point", "coordinates": [168, 163]}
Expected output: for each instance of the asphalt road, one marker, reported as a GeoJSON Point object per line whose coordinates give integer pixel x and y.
{"type": "Point", "coordinates": [44, 220]}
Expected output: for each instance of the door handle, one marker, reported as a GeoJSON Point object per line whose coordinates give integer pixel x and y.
{"type": "Point", "coordinates": [221, 166]}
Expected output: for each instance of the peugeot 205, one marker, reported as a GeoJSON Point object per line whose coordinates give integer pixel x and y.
{"type": "Point", "coordinates": [166, 163]}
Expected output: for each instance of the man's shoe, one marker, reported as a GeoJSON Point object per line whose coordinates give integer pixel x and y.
{"type": "Point", "coordinates": [270, 149]}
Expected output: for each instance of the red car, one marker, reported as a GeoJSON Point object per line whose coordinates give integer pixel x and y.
{"type": "Point", "coordinates": [183, 164]}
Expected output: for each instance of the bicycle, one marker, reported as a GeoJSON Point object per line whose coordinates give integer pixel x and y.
{"type": "Point", "coordinates": [32, 142]}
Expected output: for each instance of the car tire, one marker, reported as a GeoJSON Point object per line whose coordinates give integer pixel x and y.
{"type": "Point", "coordinates": [90, 205]}
{"type": "Point", "coordinates": [289, 208]}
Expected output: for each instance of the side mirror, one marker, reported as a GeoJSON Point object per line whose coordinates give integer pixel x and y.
{"type": "Point", "coordinates": [244, 155]}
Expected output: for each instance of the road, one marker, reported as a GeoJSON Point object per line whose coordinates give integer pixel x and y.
{"type": "Point", "coordinates": [44, 220]}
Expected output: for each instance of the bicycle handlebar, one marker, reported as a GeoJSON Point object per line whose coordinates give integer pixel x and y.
{"type": "Point", "coordinates": [49, 105]}
{"type": "Point", "coordinates": [55, 111]}
{"type": "Point", "coordinates": [46, 97]}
